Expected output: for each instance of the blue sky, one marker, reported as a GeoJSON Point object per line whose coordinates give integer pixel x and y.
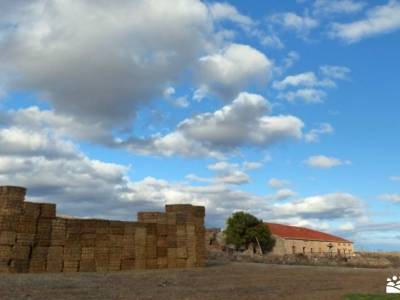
{"type": "Point", "coordinates": [285, 109]}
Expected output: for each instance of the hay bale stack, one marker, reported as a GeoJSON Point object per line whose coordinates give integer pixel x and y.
{"type": "Point", "coordinates": [11, 200]}
{"type": "Point", "coordinates": [102, 251]}
{"type": "Point", "coordinates": [55, 259]}
{"type": "Point", "coordinates": [6, 257]}
{"type": "Point", "coordinates": [87, 261]}
{"type": "Point", "coordinates": [140, 246]}
{"type": "Point", "coordinates": [21, 258]}
{"type": "Point", "coordinates": [58, 232]}
{"type": "Point", "coordinates": [38, 259]}
{"type": "Point", "coordinates": [33, 239]}
{"type": "Point", "coordinates": [128, 246]}
{"type": "Point", "coordinates": [72, 248]}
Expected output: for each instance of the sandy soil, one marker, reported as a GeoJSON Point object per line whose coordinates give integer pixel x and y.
{"type": "Point", "coordinates": [227, 281]}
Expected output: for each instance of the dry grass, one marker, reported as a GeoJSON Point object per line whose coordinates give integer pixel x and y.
{"type": "Point", "coordinates": [221, 280]}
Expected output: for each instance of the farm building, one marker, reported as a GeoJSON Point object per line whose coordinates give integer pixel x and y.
{"type": "Point", "coordinates": [296, 240]}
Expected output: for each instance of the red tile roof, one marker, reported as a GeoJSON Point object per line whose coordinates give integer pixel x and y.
{"type": "Point", "coordinates": [301, 233]}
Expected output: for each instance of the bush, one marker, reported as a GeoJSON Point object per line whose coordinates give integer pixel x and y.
{"type": "Point", "coordinates": [244, 229]}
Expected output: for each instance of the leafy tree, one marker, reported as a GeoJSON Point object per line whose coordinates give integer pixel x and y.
{"type": "Point", "coordinates": [244, 229]}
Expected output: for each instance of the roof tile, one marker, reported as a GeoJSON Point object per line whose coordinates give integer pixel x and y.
{"type": "Point", "coordinates": [301, 233]}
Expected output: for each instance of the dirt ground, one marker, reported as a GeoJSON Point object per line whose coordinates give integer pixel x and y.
{"type": "Point", "coordinates": [220, 281]}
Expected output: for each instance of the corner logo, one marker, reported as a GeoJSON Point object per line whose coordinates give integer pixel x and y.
{"type": "Point", "coordinates": [393, 285]}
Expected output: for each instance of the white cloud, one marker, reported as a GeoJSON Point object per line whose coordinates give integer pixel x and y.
{"type": "Point", "coordinates": [283, 194]}
{"type": "Point", "coordinates": [35, 119]}
{"type": "Point", "coordinates": [271, 40]}
{"type": "Point", "coordinates": [291, 21]}
{"type": "Point", "coordinates": [226, 73]}
{"type": "Point", "coordinates": [308, 87]}
{"type": "Point", "coordinates": [378, 20]}
{"type": "Point", "coordinates": [168, 92]}
{"type": "Point", "coordinates": [313, 135]}
{"type": "Point", "coordinates": [395, 178]}
{"type": "Point", "coordinates": [225, 11]}
{"type": "Point", "coordinates": [57, 171]}
{"type": "Point", "coordinates": [390, 197]}
{"type": "Point", "coordinates": [222, 166]}
{"type": "Point", "coordinates": [307, 79]}
{"type": "Point", "coordinates": [329, 7]}
{"type": "Point", "coordinates": [234, 177]}
{"type": "Point", "coordinates": [325, 162]}
{"type": "Point", "coordinates": [306, 95]}
{"type": "Point", "coordinates": [303, 79]}
{"type": "Point", "coordinates": [17, 142]}
{"type": "Point", "coordinates": [252, 165]}
{"type": "Point", "coordinates": [242, 123]}
{"type": "Point", "coordinates": [181, 102]}
{"type": "Point", "coordinates": [75, 55]}
{"type": "Point", "coordinates": [229, 173]}
{"type": "Point", "coordinates": [348, 226]}
{"type": "Point", "coordinates": [329, 206]}
{"type": "Point", "coordinates": [335, 72]}
{"type": "Point", "coordinates": [276, 183]}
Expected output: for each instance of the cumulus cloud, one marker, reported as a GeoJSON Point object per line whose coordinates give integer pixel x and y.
{"type": "Point", "coordinates": [283, 194]}
{"type": "Point", "coordinates": [229, 173]}
{"type": "Point", "coordinates": [309, 87]}
{"type": "Point", "coordinates": [75, 55]}
{"type": "Point", "coordinates": [306, 95]}
{"type": "Point", "coordinates": [378, 20]}
{"type": "Point", "coordinates": [327, 7]}
{"type": "Point", "coordinates": [85, 187]}
{"type": "Point", "coordinates": [329, 206]}
{"type": "Point", "coordinates": [335, 72]}
{"type": "Point", "coordinates": [314, 134]}
{"type": "Point", "coordinates": [395, 178]}
{"type": "Point", "coordinates": [229, 71]}
{"type": "Point", "coordinates": [390, 197]}
{"type": "Point", "coordinates": [252, 165]}
{"type": "Point", "coordinates": [35, 119]}
{"type": "Point", "coordinates": [17, 142]}
{"type": "Point", "coordinates": [225, 11]}
{"type": "Point", "coordinates": [303, 79]}
{"type": "Point", "coordinates": [276, 183]}
{"type": "Point", "coordinates": [244, 122]}
{"type": "Point", "coordinates": [325, 162]}
{"type": "Point", "coordinates": [55, 170]}
{"type": "Point", "coordinates": [302, 25]}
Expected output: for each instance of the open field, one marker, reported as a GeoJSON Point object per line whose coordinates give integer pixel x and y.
{"type": "Point", "coordinates": [218, 281]}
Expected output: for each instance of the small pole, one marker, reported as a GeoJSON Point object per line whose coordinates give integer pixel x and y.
{"type": "Point", "coordinates": [258, 243]}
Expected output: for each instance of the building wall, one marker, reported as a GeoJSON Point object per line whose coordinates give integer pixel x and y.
{"type": "Point", "coordinates": [33, 239]}
{"type": "Point", "coordinates": [293, 246]}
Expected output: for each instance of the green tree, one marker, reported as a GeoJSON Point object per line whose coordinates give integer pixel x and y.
{"type": "Point", "coordinates": [244, 229]}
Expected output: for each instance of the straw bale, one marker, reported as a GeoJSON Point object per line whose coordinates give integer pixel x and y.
{"type": "Point", "coordinates": [128, 264]}
{"type": "Point", "coordinates": [117, 227]}
{"type": "Point", "coordinates": [25, 239]}
{"type": "Point", "coordinates": [55, 259]}
{"type": "Point", "coordinates": [162, 262]}
{"type": "Point", "coordinates": [47, 210]}
{"type": "Point", "coordinates": [70, 265]}
{"type": "Point", "coordinates": [102, 226]}
{"type": "Point", "coordinates": [181, 262]}
{"type": "Point", "coordinates": [7, 237]}
{"type": "Point", "coordinates": [8, 223]}
{"type": "Point", "coordinates": [140, 263]}
{"type": "Point", "coordinates": [31, 210]}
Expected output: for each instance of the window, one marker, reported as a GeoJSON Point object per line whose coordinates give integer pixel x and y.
{"type": "Point", "coordinates": [304, 250]}
{"type": "Point", "coordinates": [294, 249]}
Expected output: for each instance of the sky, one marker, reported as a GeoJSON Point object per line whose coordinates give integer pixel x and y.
{"type": "Point", "coordinates": [288, 110]}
